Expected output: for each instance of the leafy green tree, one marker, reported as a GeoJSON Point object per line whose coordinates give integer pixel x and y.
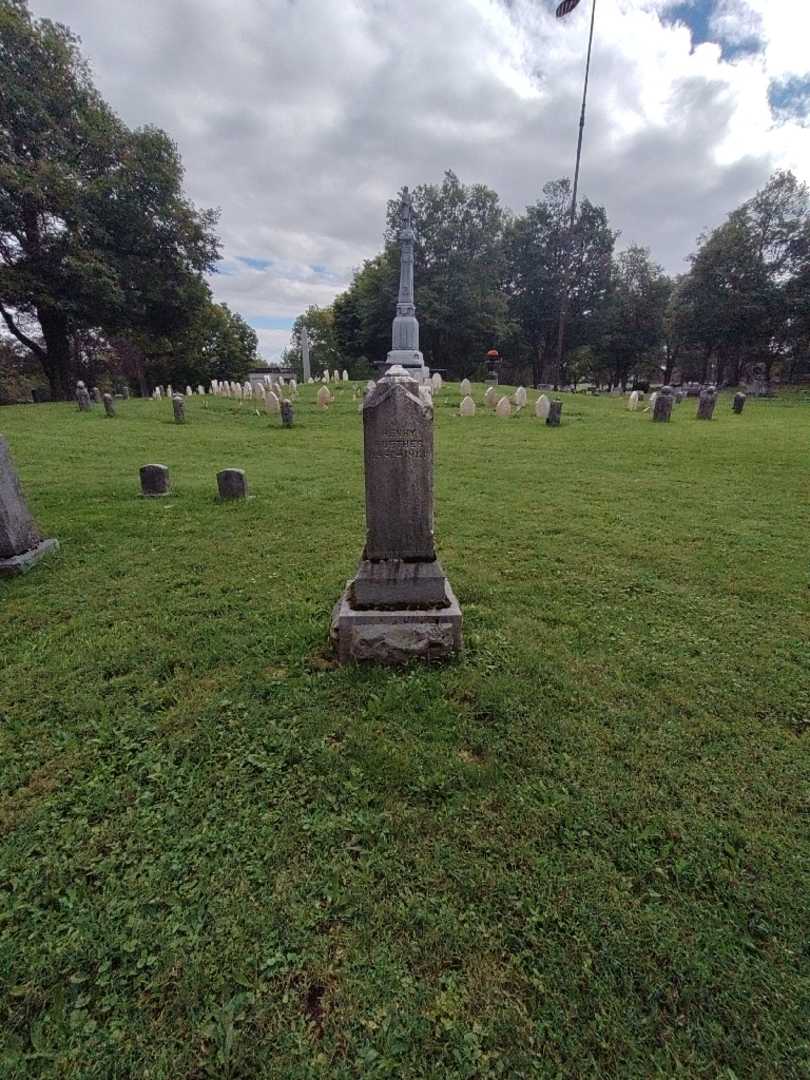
{"type": "Point", "coordinates": [324, 347]}
{"type": "Point", "coordinates": [536, 247]}
{"type": "Point", "coordinates": [631, 320]}
{"type": "Point", "coordinates": [95, 232]}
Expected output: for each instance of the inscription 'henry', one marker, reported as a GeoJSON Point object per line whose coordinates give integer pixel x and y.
{"type": "Point", "coordinates": [402, 443]}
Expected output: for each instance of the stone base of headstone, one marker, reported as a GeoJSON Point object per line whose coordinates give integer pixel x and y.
{"type": "Point", "coordinates": [18, 564]}
{"type": "Point", "coordinates": [397, 635]}
{"type": "Point", "coordinates": [394, 583]}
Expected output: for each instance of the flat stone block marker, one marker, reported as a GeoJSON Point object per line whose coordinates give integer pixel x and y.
{"type": "Point", "coordinates": [554, 413]}
{"type": "Point", "coordinates": [232, 484]}
{"type": "Point", "coordinates": [154, 481]}
{"type": "Point", "coordinates": [706, 403]}
{"type": "Point", "coordinates": [21, 544]}
{"type": "Point", "coordinates": [662, 408]}
{"type": "Point", "coordinates": [739, 402]}
{"type": "Point", "coordinates": [400, 605]}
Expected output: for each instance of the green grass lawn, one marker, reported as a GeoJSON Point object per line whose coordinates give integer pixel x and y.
{"type": "Point", "coordinates": [581, 850]}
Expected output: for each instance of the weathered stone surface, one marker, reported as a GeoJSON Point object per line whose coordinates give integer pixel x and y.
{"type": "Point", "coordinates": [154, 481]}
{"type": "Point", "coordinates": [467, 407]}
{"type": "Point", "coordinates": [662, 408]}
{"type": "Point", "coordinates": [504, 407]}
{"type": "Point", "coordinates": [554, 413]}
{"type": "Point", "coordinates": [653, 399]}
{"type": "Point", "coordinates": [398, 454]}
{"type": "Point", "coordinates": [200, 390]}
{"type": "Point", "coordinates": [125, 391]}
{"type": "Point", "coordinates": [345, 375]}
{"type": "Point", "coordinates": [109, 405]}
{"type": "Point", "coordinates": [465, 386]}
{"type": "Point", "coordinates": [739, 402]}
{"type": "Point", "coordinates": [394, 583]}
{"type": "Point", "coordinates": [520, 396]}
{"type": "Point", "coordinates": [324, 398]}
{"type": "Point", "coordinates": [632, 401]}
{"type": "Point", "coordinates": [396, 636]}
{"type": "Point", "coordinates": [83, 397]}
{"type": "Point", "coordinates": [436, 382]}
{"type": "Point", "coordinates": [97, 395]}
{"type": "Point", "coordinates": [232, 484]}
{"type": "Point", "coordinates": [542, 407]}
{"type": "Point", "coordinates": [706, 403]}
{"type": "Point", "coordinates": [19, 564]}
{"type": "Point", "coordinates": [179, 408]}
{"type": "Point", "coordinates": [491, 397]}
{"type": "Point", "coordinates": [18, 533]}
{"type": "Point", "coordinates": [286, 413]}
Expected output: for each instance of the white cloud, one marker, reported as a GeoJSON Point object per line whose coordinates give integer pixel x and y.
{"type": "Point", "coordinates": [301, 118]}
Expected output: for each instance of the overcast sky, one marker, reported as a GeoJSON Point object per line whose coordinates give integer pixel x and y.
{"type": "Point", "coordinates": [300, 118]}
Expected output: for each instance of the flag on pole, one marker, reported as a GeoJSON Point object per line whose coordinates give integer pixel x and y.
{"type": "Point", "coordinates": [565, 7]}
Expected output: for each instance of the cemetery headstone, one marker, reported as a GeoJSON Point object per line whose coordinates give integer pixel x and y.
{"type": "Point", "coordinates": [109, 405]}
{"type": "Point", "coordinates": [232, 484]}
{"type": "Point", "coordinates": [467, 406]}
{"type": "Point", "coordinates": [154, 481]}
{"type": "Point", "coordinates": [706, 403]}
{"type": "Point", "coordinates": [400, 604]}
{"type": "Point", "coordinates": [125, 391]}
{"type": "Point", "coordinates": [662, 408]}
{"type": "Point", "coordinates": [504, 407]}
{"type": "Point", "coordinates": [83, 397]}
{"type": "Point", "coordinates": [632, 401]}
{"type": "Point", "coordinates": [179, 408]}
{"type": "Point", "coordinates": [465, 387]}
{"type": "Point", "coordinates": [554, 413]}
{"type": "Point", "coordinates": [97, 395]}
{"type": "Point", "coordinates": [286, 413]}
{"type": "Point", "coordinates": [520, 396]}
{"type": "Point", "coordinates": [542, 407]}
{"type": "Point", "coordinates": [200, 390]}
{"type": "Point", "coordinates": [324, 398]}
{"type": "Point", "coordinates": [436, 382]}
{"type": "Point", "coordinates": [21, 543]}
{"type": "Point", "coordinates": [189, 391]}
{"type": "Point", "coordinates": [345, 375]}
{"type": "Point", "coordinates": [739, 402]}
{"type": "Point", "coordinates": [491, 397]}
{"type": "Point", "coordinates": [305, 354]}
{"type": "Point", "coordinates": [271, 403]}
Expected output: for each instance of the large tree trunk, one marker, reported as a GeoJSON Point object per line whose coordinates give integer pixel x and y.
{"type": "Point", "coordinates": [57, 360]}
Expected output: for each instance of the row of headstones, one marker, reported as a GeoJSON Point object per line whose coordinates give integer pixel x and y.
{"type": "Point", "coordinates": [336, 376]}
{"type": "Point", "coordinates": [544, 408]}
{"type": "Point", "coordinates": [661, 402]}
{"type": "Point", "coordinates": [231, 483]}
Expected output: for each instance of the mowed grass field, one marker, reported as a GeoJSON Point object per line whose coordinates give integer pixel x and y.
{"type": "Point", "coordinates": [581, 850]}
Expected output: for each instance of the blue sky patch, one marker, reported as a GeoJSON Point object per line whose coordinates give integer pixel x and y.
{"type": "Point", "coordinates": [255, 264]}
{"type": "Point", "coordinates": [789, 99]}
{"type": "Point", "coordinates": [696, 14]}
{"type": "Point", "coordinates": [270, 322]}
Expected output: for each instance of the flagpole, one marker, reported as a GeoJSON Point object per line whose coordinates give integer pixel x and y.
{"type": "Point", "coordinates": [573, 213]}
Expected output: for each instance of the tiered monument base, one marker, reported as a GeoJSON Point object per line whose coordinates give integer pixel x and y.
{"type": "Point", "coordinates": [391, 635]}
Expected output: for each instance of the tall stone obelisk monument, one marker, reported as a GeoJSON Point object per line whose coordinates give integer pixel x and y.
{"type": "Point", "coordinates": [305, 353]}
{"type": "Point", "coordinates": [405, 331]}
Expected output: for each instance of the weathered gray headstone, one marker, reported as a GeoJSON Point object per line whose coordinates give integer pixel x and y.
{"type": "Point", "coordinates": [97, 395]}
{"type": "Point", "coordinates": [232, 484]}
{"type": "Point", "coordinates": [706, 403]}
{"type": "Point", "coordinates": [154, 481]}
{"type": "Point", "coordinates": [286, 413]}
{"type": "Point", "coordinates": [400, 604]}
{"type": "Point", "coordinates": [554, 413]}
{"type": "Point", "coordinates": [662, 408]}
{"type": "Point", "coordinates": [179, 408]}
{"type": "Point", "coordinates": [83, 397]}
{"type": "Point", "coordinates": [739, 402]}
{"type": "Point", "coordinates": [109, 405]}
{"type": "Point", "coordinates": [125, 391]}
{"type": "Point", "coordinates": [21, 544]}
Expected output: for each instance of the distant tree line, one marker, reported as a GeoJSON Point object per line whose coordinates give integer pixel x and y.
{"type": "Point", "coordinates": [487, 278]}
{"type": "Point", "coordinates": [102, 256]}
